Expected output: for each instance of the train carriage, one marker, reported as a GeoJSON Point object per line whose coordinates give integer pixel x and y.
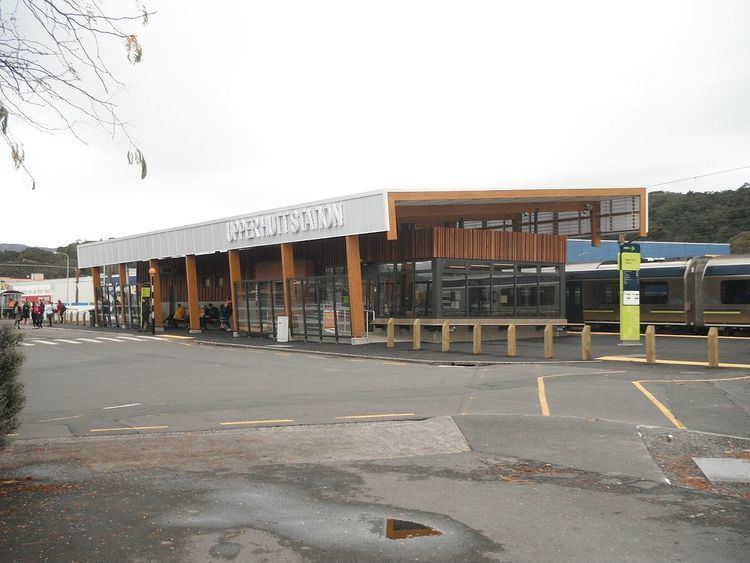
{"type": "Point", "coordinates": [695, 293]}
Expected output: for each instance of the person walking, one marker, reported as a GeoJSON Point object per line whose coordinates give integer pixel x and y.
{"type": "Point", "coordinates": [36, 314]}
{"type": "Point", "coordinates": [18, 314]}
{"type": "Point", "coordinates": [49, 310]}
{"type": "Point", "coordinates": [60, 310]}
{"type": "Point", "coordinates": [145, 315]}
{"type": "Point", "coordinates": [26, 312]}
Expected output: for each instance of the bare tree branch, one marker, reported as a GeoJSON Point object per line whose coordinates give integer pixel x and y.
{"type": "Point", "coordinates": [53, 75]}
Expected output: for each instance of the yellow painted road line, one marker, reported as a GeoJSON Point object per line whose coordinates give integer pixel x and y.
{"type": "Point", "coordinates": [269, 421]}
{"type": "Point", "coordinates": [128, 428]}
{"type": "Point", "coordinates": [670, 362]}
{"type": "Point", "coordinates": [395, 363]}
{"type": "Point", "coordinates": [542, 396]}
{"type": "Point", "coordinates": [542, 390]}
{"type": "Point", "coordinates": [695, 380]}
{"type": "Point", "coordinates": [68, 341]}
{"type": "Point", "coordinates": [283, 353]}
{"type": "Point", "coordinates": [177, 337]}
{"type": "Point", "coordinates": [362, 416]}
{"type": "Point", "coordinates": [659, 405]}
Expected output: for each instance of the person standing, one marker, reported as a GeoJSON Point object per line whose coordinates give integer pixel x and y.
{"type": "Point", "coordinates": [26, 312]}
{"type": "Point", "coordinates": [18, 314]}
{"type": "Point", "coordinates": [145, 315]}
{"type": "Point", "coordinates": [35, 314]}
{"type": "Point", "coordinates": [49, 310]}
{"type": "Point", "coordinates": [60, 309]}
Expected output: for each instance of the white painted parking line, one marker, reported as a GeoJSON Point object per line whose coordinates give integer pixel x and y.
{"type": "Point", "coordinates": [109, 339]}
{"type": "Point", "coordinates": [45, 342]}
{"type": "Point", "coordinates": [121, 406]}
{"type": "Point", "coordinates": [130, 338]}
{"type": "Point", "coordinates": [61, 418]}
{"type": "Point", "coordinates": [68, 341]}
{"type": "Point", "coordinates": [25, 344]}
{"type": "Point", "coordinates": [89, 340]}
{"type": "Point", "coordinates": [156, 338]}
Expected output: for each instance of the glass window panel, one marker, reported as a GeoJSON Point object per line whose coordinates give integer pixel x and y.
{"type": "Point", "coordinates": [527, 292]}
{"type": "Point", "coordinates": [503, 294]}
{"type": "Point", "coordinates": [654, 293]}
{"type": "Point", "coordinates": [479, 277]}
{"type": "Point", "coordinates": [454, 293]}
{"type": "Point", "coordinates": [735, 292]}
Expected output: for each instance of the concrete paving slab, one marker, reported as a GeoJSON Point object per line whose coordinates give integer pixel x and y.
{"type": "Point", "coordinates": [585, 444]}
{"type": "Point", "coordinates": [724, 469]}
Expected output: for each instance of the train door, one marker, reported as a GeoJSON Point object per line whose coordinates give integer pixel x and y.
{"type": "Point", "coordinates": [574, 301]}
{"type": "Point", "coordinates": [693, 283]}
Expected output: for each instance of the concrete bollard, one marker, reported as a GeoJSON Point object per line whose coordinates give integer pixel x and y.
{"type": "Point", "coordinates": [390, 333]}
{"type": "Point", "coordinates": [713, 347]}
{"type": "Point", "coordinates": [446, 337]}
{"type": "Point", "coordinates": [586, 343]}
{"type": "Point", "coordinates": [476, 335]}
{"type": "Point", "coordinates": [512, 340]}
{"type": "Point", "coordinates": [549, 345]}
{"type": "Point", "coordinates": [650, 345]}
{"type": "Point", "coordinates": [416, 336]}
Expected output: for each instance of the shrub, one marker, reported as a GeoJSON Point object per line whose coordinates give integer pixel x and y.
{"type": "Point", "coordinates": [11, 389]}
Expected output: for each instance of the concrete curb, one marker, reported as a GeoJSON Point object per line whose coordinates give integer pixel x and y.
{"type": "Point", "coordinates": [457, 363]}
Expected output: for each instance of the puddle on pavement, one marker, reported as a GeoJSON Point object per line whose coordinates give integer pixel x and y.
{"type": "Point", "coordinates": [405, 529]}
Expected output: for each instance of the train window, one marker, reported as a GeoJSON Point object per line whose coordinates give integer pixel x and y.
{"type": "Point", "coordinates": [735, 292]}
{"type": "Point", "coordinates": [610, 294]}
{"type": "Point", "coordinates": [654, 293]}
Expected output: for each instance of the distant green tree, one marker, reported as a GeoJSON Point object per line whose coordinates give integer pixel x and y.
{"type": "Point", "coordinates": [11, 389]}
{"type": "Point", "coordinates": [740, 243]}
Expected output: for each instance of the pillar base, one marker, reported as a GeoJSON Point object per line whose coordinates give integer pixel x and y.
{"type": "Point", "coordinates": [195, 331]}
{"type": "Point", "coordinates": [235, 335]}
{"type": "Point", "coordinates": [359, 340]}
{"type": "Point", "coordinates": [159, 329]}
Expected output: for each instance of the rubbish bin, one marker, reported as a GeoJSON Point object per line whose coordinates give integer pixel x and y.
{"type": "Point", "coordinates": [282, 328]}
{"type": "Point", "coordinates": [92, 318]}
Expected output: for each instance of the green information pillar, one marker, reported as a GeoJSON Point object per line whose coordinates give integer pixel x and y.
{"type": "Point", "coordinates": [629, 265]}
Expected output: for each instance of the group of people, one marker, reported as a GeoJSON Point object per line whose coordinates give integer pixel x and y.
{"type": "Point", "coordinates": [222, 315]}
{"type": "Point", "coordinates": [22, 311]}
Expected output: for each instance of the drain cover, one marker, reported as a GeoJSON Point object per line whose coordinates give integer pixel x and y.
{"type": "Point", "coordinates": [724, 469]}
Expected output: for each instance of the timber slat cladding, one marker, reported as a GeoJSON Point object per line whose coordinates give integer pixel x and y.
{"type": "Point", "coordinates": [448, 242]}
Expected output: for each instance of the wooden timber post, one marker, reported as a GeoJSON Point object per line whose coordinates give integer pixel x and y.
{"type": "Point", "coordinates": [713, 347]}
{"type": "Point", "coordinates": [287, 273]}
{"type": "Point", "coordinates": [586, 343]}
{"type": "Point", "coordinates": [194, 308]}
{"type": "Point", "coordinates": [416, 336]}
{"type": "Point", "coordinates": [650, 345]}
{"type": "Point", "coordinates": [390, 330]}
{"type": "Point", "coordinates": [354, 277]}
{"type": "Point", "coordinates": [123, 305]}
{"type": "Point", "coordinates": [549, 344]}
{"type": "Point", "coordinates": [512, 340]}
{"type": "Point", "coordinates": [477, 339]}
{"type": "Point", "coordinates": [446, 334]}
{"type": "Point", "coordinates": [96, 280]}
{"type": "Point", "coordinates": [235, 278]}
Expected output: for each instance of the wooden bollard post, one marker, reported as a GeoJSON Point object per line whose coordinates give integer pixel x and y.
{"type": "Point", "coordinates": [390, 333]}
{"type": "Point", "coordinates": [416, 336]}
{"type": "Point", "coordinates": [586, 343]}
{"type": "Point", "coordinates": [713, 347]}
{"type": "Point", "coordinates": [477, 339]}
{"type": "Point", "coordinates": [512, 339]}
{"type": "Point", "coordinates": [446, 336]}
{"type": "Point", "coordinates": [650, 345]}
{"type": "Point", "coordinates": [77, 318]}
{"type": "Point", "coordinates": [549, 345]}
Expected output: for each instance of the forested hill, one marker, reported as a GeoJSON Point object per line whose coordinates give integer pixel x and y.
{"type": "Point", "coordinates": [33, 258]}
{"type": "Point", "coordinates": [699, 216]}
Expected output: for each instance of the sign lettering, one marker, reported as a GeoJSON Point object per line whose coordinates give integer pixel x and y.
{"type": "Point", "coordinates": [318, 218]}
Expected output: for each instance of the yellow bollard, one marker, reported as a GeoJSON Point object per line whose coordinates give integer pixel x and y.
{"type": "Point", "coordinates": [446, 336]}
{"type": "Point", "coordinates": [548, 342]}
{"type": "Point", "coordinates": [713, 347]}
{"type": "Point", "coordinates": [477, 339]}
{"type": "Point", "coordinates": [586, 343]}
{"type": "Point", "coordinates": [512, 339]}
{"type": "Point", "coordinates": [390, 331]}
{"type": "Point", "coordinates": [416, 337]}
{"type": "Point", "coordinates": [650, 345]}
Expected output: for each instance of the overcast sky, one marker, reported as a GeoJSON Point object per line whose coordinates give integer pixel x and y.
{"type": "Point", "coordinates": [243, 106]}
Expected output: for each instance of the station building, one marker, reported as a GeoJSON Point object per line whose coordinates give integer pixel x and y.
{"type": "Point", "coordinates": [337, 267]}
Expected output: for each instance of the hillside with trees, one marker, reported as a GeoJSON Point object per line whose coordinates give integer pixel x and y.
{"type": "Point", "coordinates": [32, 258]}
{"type": "Point", "coordinates": [699, 216]}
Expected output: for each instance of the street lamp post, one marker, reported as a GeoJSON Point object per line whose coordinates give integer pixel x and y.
{"type": "Point", "coordinates": [67, 276]}
{"type": "Point", "coordinates": [152, 272]}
